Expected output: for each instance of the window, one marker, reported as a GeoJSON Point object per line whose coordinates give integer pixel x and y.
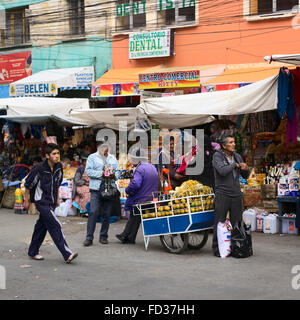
{"type": "Point", "coordinates": [130, 14]}
{"type": "Point", "coordinates": [271, 6]}
{"type": "Point", "coordinates": [77, 17]}
{"type": "Point", "coordinates": [173, 12]}
{"type": "Point", "coordinates": [17, 28]}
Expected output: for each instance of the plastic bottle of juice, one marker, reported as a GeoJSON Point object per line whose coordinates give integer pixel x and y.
{"type": "Point", "coordinates": [18, 195]}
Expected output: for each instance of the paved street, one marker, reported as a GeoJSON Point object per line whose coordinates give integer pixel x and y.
{"type": "Point", "coordinates": [116, 271]}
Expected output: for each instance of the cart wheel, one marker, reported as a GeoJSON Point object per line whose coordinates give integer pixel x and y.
{"type": "Point", "coordinates": [175, 243]}
{"type": "Point", "coordinates": [197, 239]}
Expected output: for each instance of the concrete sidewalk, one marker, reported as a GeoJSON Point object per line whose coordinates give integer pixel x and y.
{"type": "Point", "coordinates": [116, 271]}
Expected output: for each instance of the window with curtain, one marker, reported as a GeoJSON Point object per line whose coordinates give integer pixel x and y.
{"type": "Point", "coordinates": [77, 17]}
{"type": "Point", "coordinates": [17, 29]}
{"type": "Point", "coordinates": [271, 6]}
{"type": "Point", "coordinates": [173, 12]}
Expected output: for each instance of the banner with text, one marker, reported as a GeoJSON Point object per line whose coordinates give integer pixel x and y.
{"type": "Point", "coordinates": [15, 66]}
{"type": "Point", "coordinates": [33, 89]}
{"type": "Point", "coordinates": [150, 44]}
{"type": "Point", "coordinates": [115, 90]}
{"type": "Point", "coordinates": [178, 79]}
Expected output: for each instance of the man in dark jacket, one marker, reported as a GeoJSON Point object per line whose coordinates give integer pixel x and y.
{"type": "Point", "coordinates": [141, 188]}
{"type": "Point", "coordinates": [228, 166]}
{"type": "Point", "coordinates": [46, 178]}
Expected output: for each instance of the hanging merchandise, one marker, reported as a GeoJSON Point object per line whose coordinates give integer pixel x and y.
{"type": "Point", "coordinates": [286, 102]}
{"type": "Point", "coordinates": [165, 180]}
{"type": "Point", "coordinates": [24, 129]}
{"type": "Point", "coordinates": [36, 131]}
{"type": "Point", "coordinates": [142, 123]}
{"type": "Point", "coordinates": [291, 130]}
{"type": "Point", "coordinates": [8, 137]}
{"type": "Point", "coordinates": [296, 85]}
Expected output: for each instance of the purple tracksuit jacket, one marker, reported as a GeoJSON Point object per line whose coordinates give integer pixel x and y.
{"type": "Point", "coordinates": [143, 183]}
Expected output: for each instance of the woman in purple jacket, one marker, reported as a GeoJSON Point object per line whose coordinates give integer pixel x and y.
{"type": "Point", "coordinates": [140, 189]}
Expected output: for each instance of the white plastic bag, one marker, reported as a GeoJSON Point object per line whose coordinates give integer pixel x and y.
{"type": "Point", "coordinates": [224, 238]}
{"type": "Point", "coordinates": [63, 209]}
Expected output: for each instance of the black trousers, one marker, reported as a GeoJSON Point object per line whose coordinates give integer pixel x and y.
{"type": "Point", "coordinates": [133, 224]}
{"type": "Point", "coordinates": [48, 222]}
{"type": "Point", "coordinates": [223, 204]}
{"type": "Point", "coordinates": [132, 227]}
{"type": "Point", "coordinates": [99, 206]}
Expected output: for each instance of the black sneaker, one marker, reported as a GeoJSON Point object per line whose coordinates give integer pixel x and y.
{"type": "Point", "coordinates": [88, 243]}
{"type": "Point", "coordinates": [121, 238]}
{"type": "Point", "coordinates": [217, 253]}
{"type": "Point", "coordinates": [103, 241]}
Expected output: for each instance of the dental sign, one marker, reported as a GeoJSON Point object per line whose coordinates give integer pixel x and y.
{"type": "Point", "coordinates": [149, 44]}
{"type": "Point", "coordinates": [33, 89]}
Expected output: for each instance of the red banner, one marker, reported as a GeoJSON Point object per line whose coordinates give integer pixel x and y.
{"type": "Point", "coordinates": [15, 66]}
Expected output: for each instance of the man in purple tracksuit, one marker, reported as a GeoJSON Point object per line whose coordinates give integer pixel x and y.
{"type": "Point", "coordinates": [46, 179]}
{"type": "Point", "coordinates": [140, 189]}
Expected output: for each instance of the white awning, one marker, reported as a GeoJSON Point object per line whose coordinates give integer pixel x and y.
{"type": "Point", "coordinates": [41, 119]}
{"type": "Point", "coordinates": [43, 105]}
{"type": "Point", "coordinates": [285, 58]}
{"type": "Point", "coordinates": [47, 82]}
{"type": "Point", "coordinates": [109, 117]}
{"type": "Point", "coordinates": [196, 109]}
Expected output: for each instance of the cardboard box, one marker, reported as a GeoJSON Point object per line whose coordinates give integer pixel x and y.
{"type": "Point", "coordinates": [252, 196]}
{"type": "Point", "coordinates": [268, 191]}
{"type": "Point", "coordinates": [270, 204]}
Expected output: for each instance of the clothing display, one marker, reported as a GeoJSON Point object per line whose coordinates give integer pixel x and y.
{"type": "Point", "coordinates": [286, 102]}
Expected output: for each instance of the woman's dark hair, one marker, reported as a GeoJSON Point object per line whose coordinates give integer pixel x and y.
{"type": "Point", "coordinates": [50, 147]}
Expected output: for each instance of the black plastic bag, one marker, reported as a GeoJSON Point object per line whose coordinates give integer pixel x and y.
{"type": "Point", "coordinates": [241, 241]}
{"type": "Point", "coordinates": [108, 189]}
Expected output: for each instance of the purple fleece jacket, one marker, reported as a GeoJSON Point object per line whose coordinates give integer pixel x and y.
{"type": "Point", "coordinates": [143, 183]}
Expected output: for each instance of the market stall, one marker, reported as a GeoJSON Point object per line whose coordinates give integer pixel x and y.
{"type": "Point", "coordinates": [262, 134]}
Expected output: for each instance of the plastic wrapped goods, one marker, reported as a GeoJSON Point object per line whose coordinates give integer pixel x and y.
{"type": "Point", "coordinates": [224, 238]}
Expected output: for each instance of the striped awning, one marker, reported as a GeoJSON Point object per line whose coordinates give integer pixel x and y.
{"type": "Point", "coordinates": [75, 88]}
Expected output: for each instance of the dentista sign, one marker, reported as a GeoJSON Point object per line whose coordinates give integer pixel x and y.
{"type": "Point", "coordinates": [149, 44]}
{"type": "Point", "coordinates": [140, 7]}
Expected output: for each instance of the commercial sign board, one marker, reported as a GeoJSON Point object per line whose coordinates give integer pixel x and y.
{"type": "Point", "coordinates": [140, 6]}
{"type": "Point", "coordinates": [66, 79]}
{"type": "Point", "coordinates": [33, 89]}
{"type": "Point", "coordinates": [136, 7]}
{"type": "Point", "coordinates": [15, 66]}
{"type": "Point", "coordinates": [170, 4]}
{"type": "Point", "coordinates": [115, 90]}
{"type": "Point", "coordinates": [151, 44]}
{"type": "Point", "coordinates": [179, 79]}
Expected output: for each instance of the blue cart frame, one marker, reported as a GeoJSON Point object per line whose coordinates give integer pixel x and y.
{"type": "Point", "coordinates": [176, 224]}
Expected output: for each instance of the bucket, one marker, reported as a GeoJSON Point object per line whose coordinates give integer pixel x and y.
{"type": "Point", "coordinates": [260, 223]}
{"type": "Point", "coordinates": [289, 224]}
{"type": "Point", "coordinates": [271, 224]}
{"type": "Point", "coordinates": [249, 217]}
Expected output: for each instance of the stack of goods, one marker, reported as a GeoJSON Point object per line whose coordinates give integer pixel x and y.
{"type": "Point", "coordinates": [191, 197]}
{"type": "Point", "coordinates": [288, 185]}
{"type": "Point", "coordinates": [261, 221]}
{"type": "Point", "coordinates": [191, 188]}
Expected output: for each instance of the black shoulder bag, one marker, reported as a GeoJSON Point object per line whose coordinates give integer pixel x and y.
{"type": "Point", "coordinates": [108, 189]}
